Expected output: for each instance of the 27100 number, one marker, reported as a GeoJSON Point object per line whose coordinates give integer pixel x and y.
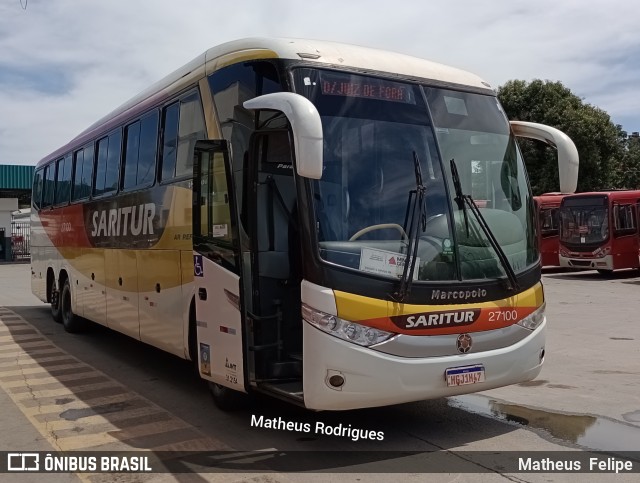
{"type": "Point", "coordinates": [503, 315]}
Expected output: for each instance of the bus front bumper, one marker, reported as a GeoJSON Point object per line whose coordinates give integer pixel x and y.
{"type": "Point", "coordinates": [373, 378]}
{"type": "Point", "coordinates": [603, 263]}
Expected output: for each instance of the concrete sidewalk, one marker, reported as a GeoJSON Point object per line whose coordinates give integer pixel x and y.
{"type": "Point", "coordinates": [15, 285]}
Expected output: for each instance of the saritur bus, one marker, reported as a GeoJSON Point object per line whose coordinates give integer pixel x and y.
{"type": "Point", "coordinates": [298, 218]}
{"type": "Point", "coordinates": [599, 230]}
{"type": "Point", "coordinates": [547, 208]}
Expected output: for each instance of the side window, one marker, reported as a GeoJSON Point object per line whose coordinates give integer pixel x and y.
{"type": "Point", "coordinates": [141, 140]}
{"type": "Point", "coordinates": [170, 117]}
{"type": "Point", "coordinates": [624, 219]}
{"type": "Point", "coordinates": [82, 173]}
{"type": "Point", "coordinates": [190, 129]}
{"type": "Point", "coordinates": [78, 160]}
{"type": "Point", "coordinates": [49, 185]}
{"type": "Point", "coordinates": [101, 166]}
{"type": "Point", "coordinates": [130, 162]}
{"type": "Point", "coordinates": [549, 221]}
{"type": "Point", "coordinates": [183, 124]}
{"type": "Point", "coordinates": [108, 164]}
{"type": "Point", "coordinates": [63, 180]}
{"type": "Point", "coordinates": [37, 188]}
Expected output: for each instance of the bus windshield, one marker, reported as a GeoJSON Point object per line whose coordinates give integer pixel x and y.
{"type": "Point", "coordinates": [584, 221]}
{"type": "Point", "coordinates": [375, 131]}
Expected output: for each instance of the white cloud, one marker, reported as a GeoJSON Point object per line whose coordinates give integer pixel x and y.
{"type": "Point", "coordinates": [71, 62]}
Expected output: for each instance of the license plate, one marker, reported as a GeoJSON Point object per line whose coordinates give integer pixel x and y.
{"type": "Point", "coordinates": [459, 376]}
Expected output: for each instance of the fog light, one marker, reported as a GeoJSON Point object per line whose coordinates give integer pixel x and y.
{"type": "Point", "coordinates": [336, 381]}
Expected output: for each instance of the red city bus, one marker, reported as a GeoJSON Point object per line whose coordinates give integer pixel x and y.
{"type": "Point", "coordinates": [547, 209]}
{"type": "Point", "coordinates": [599, 230]}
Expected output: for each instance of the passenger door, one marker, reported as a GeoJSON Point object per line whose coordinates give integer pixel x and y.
{"type": "Point", "coordinates": [221, 335]}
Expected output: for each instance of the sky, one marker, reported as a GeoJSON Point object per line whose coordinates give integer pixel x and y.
{"type": "Point", "coordinates": [66, 63]}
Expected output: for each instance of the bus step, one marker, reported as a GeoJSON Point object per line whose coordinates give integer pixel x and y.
{"type": "Point", "coordinates": [285, 370]}
{"type": "Point", "coordinates": [291, 390]}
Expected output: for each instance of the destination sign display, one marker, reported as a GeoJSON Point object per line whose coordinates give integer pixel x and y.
{"type": "Point", "coordinates": [366, 87]}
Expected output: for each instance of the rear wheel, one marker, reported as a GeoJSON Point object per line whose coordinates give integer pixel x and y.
{"type": "Point", "coordinates": [56, 311]}
{"type": "Point", "coordinates": [72, 323]}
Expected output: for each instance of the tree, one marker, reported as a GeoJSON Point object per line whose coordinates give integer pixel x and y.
{"type": "Point", "coordinates": [598, 140]}
{"type": "Point", "coordinates": [627, 172]}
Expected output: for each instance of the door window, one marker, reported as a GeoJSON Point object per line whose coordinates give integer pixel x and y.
{"type": "Point", "coordinates": [213, 228]}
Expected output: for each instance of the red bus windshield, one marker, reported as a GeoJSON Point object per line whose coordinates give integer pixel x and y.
{"type": "Point", "coordinates": [584, 221]}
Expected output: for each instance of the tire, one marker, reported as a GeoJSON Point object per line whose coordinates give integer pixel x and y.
{"type": "Point", "coordinates": [56, 311]}
{"type": "Point", "coordinates": [227, 399]}
{"type": "Point", "coordinates": [71, 322]}
{"type": "Point", "coordinates": [606, 273]}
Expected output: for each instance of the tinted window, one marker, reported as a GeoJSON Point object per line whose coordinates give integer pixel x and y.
{"type": "Point", "coordinates": [108, 164]}
{"type": "Point", "coordinates": [113, 162]}
{"type": "Point", "coordinates": [63, 180]}
{"type": "Point", "coordinates": [101, 166]}
{"type": "Point", "coordinates": [183, 125]}
{"type": "Point", "coordinates": [148, 150]}
{"type": "Point", "coordinates": [132, 146]}
{"type": "Point", "coordinates": [141, 139]}
{"type": "Point", "coordinates": [82, 171]}
{"type": "Point", "coordinates": [49, 185]}
{"type": "Point", "coordinates": [37, 188]}
{"type": "Point", "coordinates": [191, 129]}
{"type": "Point", "coordinates": [170, 140]}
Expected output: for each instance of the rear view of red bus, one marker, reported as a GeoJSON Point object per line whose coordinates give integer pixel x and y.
{"type": "Point", "coordinates": [599, 230]}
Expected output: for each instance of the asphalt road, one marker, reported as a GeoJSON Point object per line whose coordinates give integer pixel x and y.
{"type": "Point", "coordinates": [104, 391]}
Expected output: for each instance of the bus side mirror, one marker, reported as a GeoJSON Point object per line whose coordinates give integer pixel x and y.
{"type": "Point", "coordinates": [305, 124]}
{"type": "Point", "coordinates": [568, 159]}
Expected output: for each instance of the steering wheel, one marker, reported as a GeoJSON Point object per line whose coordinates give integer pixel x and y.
{"type": "Point", "coordinates": [382, 226]}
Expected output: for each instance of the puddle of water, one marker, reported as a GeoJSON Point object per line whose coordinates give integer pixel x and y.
{"type": "Point", "coordinates": [632, 417]}
{"type": "Point", "coordinates": [591, 432]}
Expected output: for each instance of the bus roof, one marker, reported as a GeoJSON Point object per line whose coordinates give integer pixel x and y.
{"type": "Point", "coordinates": [612, 194]}
{"type": "Point", "coordinates": [550, 198]}
{"type": "Point", "coordinates": [314, 51]}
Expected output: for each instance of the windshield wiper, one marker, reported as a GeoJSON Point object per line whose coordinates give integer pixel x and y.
{"type": "Point", "coordinates": [463, 201]}
{"type": "Point", "coordinates": [417, 216]}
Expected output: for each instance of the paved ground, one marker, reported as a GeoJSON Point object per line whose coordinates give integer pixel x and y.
{"type": "Point", "coordinates": [588, 395]}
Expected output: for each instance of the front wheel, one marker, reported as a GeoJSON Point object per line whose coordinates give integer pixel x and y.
{"type": "Point", "coordinates": [225, 398]}
{"type": "Point", "coordinates": [606, 273]}
{"type": "Point", "coordinates": [71, 322]}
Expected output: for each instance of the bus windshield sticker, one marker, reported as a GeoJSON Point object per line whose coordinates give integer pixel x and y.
{"type": "Point", "coordinates": [346, 85]}
{"type": "Point", "coordinates": [384, 262]}
{"type": "Point", "coordinates": [219, 231]}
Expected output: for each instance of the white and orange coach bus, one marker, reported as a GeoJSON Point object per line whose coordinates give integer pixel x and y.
{"type": "Point", "coordinates": [298, 217]}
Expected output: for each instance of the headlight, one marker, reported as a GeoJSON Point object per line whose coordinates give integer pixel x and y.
{"type": "Point", "coordinates": [533, 320]}
{"type": "Point", "coordinates": [344, 329]}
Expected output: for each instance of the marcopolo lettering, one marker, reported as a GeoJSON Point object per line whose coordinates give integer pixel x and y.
{"type": "Point", "coordinates": [458, 294]}
{"type": "Point", "coordinates": [434, 320]}
{"type": "Point", "coordinates": [125, 221]}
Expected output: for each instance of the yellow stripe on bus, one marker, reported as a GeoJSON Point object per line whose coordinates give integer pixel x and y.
{"type": "Point", "coordinates": [357, 308]}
